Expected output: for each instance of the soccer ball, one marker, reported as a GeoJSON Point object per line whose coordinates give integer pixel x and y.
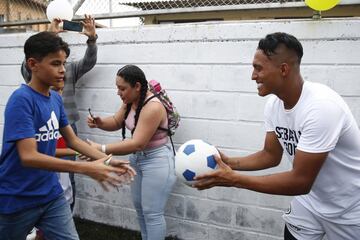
{"type": "Point", "coordinates": [193, 158]}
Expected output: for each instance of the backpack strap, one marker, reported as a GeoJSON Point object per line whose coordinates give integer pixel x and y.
{"type": "Point", "coordinates": [164, 129]}
{"type": "Point", "coordinates": [148, 100]}
{"type": "Point", "coordinates": [169, 134]}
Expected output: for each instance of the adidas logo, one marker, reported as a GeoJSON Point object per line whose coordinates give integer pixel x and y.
{"type": "Point", "coordinates": [50, 131]}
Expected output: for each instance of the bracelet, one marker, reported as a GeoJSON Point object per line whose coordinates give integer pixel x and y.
{"type": "Point", "coordinates": [103, 148]}
{"type": "Point", "coordinates": [76, 153]}
{"type": "Point", "coordinates": [92, 39]}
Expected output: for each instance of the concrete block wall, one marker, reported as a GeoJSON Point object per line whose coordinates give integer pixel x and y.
{"type": "Point", "coordinates": [207, 70]}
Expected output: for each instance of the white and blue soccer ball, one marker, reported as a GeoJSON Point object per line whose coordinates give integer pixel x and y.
{"type": "Point", "coordinates": [194, 158]}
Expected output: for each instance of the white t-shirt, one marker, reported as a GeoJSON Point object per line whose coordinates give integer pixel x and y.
{"type": "Point", "coordinates": [321, 122]}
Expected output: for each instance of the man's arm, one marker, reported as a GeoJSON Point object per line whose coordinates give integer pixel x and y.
{"type": "Point", "coordinates": [297, 181]}
{"type": "Point", "coordinates": [269, 157]}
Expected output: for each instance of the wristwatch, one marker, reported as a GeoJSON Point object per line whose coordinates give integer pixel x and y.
{"type": "Point", "coordinates": [92, 39]}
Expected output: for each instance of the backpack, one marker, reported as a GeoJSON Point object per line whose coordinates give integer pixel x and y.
{"type": "Point", "coordinates": [173, 115]}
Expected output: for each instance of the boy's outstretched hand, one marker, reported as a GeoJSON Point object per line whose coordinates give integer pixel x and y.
{"type": "Point", "coordinates": [108, 174]}
{"type": "Point", "coordinates": [123, 164]}
{"type": "Point", "coordinates": [222, 176]}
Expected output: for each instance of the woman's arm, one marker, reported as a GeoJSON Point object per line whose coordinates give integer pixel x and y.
{"type": "Point", "coordinates": [149, 121]}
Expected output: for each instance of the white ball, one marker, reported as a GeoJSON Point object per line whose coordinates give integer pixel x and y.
{"type": "Point", "coordinates": [193, 158]}
{"type": "Point", "coordinates": [59, 9]}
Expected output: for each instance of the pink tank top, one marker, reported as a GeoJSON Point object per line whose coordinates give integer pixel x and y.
{"type": "Point", "coordinates": [159, 138]}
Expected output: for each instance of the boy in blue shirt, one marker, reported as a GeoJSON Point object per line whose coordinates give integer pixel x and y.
{"type": "Point", "coordinates": [30, 193]}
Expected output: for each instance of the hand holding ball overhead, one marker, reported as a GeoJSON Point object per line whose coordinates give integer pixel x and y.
{"type": "Point", "coordinates": [59, 9]}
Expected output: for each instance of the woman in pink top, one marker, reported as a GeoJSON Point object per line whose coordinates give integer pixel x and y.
{"type": "Point", "coordinates": [151, 157]}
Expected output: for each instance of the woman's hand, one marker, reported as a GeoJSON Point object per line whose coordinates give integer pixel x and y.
{"type": "Point", "coordinates": [93, 121]}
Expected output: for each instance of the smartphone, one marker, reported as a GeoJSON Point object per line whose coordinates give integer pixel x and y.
{"type": "Point", "coordinates": [72, 26]}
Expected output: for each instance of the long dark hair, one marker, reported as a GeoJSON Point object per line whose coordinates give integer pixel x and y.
{"type": "Point", "coordinates": [133, 74]}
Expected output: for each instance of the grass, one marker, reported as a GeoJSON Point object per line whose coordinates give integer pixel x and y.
{"type": "Point", "coordinates": [89, 230]}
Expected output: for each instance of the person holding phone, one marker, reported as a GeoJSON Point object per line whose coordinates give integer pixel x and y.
{"type": "Point", "coordinates": [74, 71]}
{"type": "Point", "coordinates": [151, 154]}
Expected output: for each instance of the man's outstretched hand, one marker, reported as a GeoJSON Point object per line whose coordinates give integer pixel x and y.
{"type": "Point", "coordinates": [222, 176]}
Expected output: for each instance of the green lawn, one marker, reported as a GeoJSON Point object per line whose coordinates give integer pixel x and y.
{"type": "Point", "coordinates": [89, 230]}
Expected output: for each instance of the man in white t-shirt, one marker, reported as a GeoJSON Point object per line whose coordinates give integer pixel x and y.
{"type": "Point", "coordinates": [312, 125]}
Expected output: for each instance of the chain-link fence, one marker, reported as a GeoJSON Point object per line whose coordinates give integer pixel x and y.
{"type": "Point", "coordinates": [25, 14]}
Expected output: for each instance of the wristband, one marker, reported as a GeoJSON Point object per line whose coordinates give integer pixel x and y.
{"type": "Point", "coordinates": [103, 148]}
{"type": "Point", "coordinates": [76, 153]}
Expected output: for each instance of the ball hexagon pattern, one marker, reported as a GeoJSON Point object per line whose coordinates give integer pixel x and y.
{"type": "Point", "coordinates": [193, 158]}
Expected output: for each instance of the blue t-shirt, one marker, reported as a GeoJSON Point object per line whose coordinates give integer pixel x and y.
{"type": "Point", "coordinates": [29, 114]}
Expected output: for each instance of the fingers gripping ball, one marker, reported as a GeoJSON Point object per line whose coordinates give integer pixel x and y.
{"type": "Point", "coordinates": [193, 158]}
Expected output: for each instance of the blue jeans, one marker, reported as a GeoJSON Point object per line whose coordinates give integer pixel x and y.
{"type": "Point", "coordinates": [54, 219]}
{"type": "Point", "coordinates": [151, 188]}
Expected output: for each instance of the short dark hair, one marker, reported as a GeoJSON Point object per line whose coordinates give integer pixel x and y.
{"type": "Point", "coordinates": [41, 44]}
{"type": "Point", "coordinates": [270, 43]}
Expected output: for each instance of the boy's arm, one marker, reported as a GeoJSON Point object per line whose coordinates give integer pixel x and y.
{"type": "Point", "coordinates": [104, 174]}
{"type": "Point", "coordinates": [64, 152]}
{"type": "Point", "coordinates": [79, 145]}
